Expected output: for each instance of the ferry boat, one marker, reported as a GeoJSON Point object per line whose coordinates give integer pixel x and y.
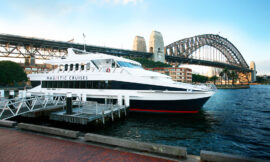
{"type": "Point", "coordinates": [99, 75]}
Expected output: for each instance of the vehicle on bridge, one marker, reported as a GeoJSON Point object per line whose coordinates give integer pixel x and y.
{"type": "Point", "coordinates": [98, 74]}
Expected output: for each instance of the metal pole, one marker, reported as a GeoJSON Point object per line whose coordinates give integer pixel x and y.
{"type": "Point", "coordinates": [11, 94]}
{"type": "Point", "coordinates": [111, 107]}
{"type": "Point", "coordinates": [69, 103]}
{"type": "Point", "coordinates": [2, 93]}
{"type": "Point", "coordinates": [103, 119]}
{"type": "Point", "coordinates": [11, 97]}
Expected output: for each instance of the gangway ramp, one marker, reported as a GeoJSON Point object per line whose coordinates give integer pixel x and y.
{"type": "Point", "coordinates": [13, 107]}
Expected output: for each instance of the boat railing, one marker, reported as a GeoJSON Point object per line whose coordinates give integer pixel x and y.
{"type": "Point", "coordinates": [103, 70]}
{"type": "Point", "coordinates": [205, 86]}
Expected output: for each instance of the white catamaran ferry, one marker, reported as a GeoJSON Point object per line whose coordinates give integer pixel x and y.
{"type": "Point", "coordinates": [99, 75]}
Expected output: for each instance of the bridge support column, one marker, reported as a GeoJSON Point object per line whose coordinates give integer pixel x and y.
{"type": "Point", "coordinates": [32, 60]}
{"type": "Point", "coordinates": [156, 46]}
{"type": "Point", "coordinates": [69, 103]}
{"type": "Point", "coordinates": [252, 74]}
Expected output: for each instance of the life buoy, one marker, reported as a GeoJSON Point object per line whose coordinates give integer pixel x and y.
{"type": "Point", "coordinates": [108, 70]}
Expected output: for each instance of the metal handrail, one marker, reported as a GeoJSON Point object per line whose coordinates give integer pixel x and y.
{"type": "Point", "coordinates": [13, 107]}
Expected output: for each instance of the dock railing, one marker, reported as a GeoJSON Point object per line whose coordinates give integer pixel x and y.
{"type": "Point", "coordinates": [17, 106]}
{"type": "Point", "coordinates": [26, 102]}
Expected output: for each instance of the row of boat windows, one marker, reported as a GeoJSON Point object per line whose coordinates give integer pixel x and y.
{"type": "Point", "coordinates": [76, 84]}
{"type": "Point", "coordinates": [105, 85]}
{"type": "Point", "coordinates": [107, 63]}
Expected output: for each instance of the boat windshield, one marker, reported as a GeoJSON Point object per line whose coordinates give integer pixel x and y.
{"type": "Point", "coordinates": [104, 63]}
{"type": "Point", "coordinates": [128, 64]}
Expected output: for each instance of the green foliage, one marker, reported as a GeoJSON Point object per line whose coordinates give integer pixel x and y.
{"type": "Point", "coordinates": [225, 73]}
{"type": "Point", "coordinates": [199, 78]}
{"type": "Point", "coordinates": [233, 75]}
{"type": "Point", "coordinates": [149, 63]}
{"type": "Point", "coordinates": [214, 78]}
{"type": "Point", "coordinates": [262, 80]}
{"type": "Point", "coordinates": [11, 72]}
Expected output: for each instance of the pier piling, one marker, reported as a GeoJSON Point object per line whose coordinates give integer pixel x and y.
{"type": "Point", "coordinates": [69, 103]}
{"type": "Point", "coordinates": [2, 93]}
{"type": "Point", "coordinates": [11, 94]}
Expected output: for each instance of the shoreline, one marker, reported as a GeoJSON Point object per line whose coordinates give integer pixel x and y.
{"type": "Point", "coordinates": [233, 86]}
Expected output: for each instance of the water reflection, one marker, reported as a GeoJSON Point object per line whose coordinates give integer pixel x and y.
{"type": "Point", "coordinates": [232, 121]}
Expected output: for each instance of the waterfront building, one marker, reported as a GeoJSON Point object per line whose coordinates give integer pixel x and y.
{"type": "Point", "coordinates": [178, 74]}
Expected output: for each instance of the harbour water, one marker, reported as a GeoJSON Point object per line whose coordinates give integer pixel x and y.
{"type": "Point", "coordinates": [232, 121]}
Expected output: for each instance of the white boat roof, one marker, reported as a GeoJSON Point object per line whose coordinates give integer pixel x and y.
{"type": "Point", "coordinates": [79, 56]}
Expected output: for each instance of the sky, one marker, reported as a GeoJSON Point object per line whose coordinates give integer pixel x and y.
{"type": "Point", "coordinates": [115, 23]}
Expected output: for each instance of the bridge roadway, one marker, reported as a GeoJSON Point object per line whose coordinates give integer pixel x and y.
{"type": "Point", "coordinates": [14, 40]}
{"type": "Point", "coordinates": [33, 47]}
{"type": "Point", "coordinates": [205, 63]}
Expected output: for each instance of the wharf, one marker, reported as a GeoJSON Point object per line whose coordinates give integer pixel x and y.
{"type": "Point", "coordinates": [61, 108]}
{"type": "Point", "coordinates": [89, 112]}
{"type": "Point", "coordinates": [26, 146]}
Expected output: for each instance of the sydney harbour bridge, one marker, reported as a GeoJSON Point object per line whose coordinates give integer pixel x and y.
{"type": "Point", "coordinates": [208, 49]}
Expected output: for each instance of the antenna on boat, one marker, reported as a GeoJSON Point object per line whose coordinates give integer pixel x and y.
{"type": "Point", "coordinates": [84, 42]}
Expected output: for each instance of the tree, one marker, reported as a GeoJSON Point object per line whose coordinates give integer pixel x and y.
{"type": "Point", "coordinates": [199, 78]}
{"type": "Point", "coordinates": [221, 74]}
{"type": "Point", "coordinates": [214, 78]}
{"type": "Point", "coordinates": [11, 72]}
{"type": "Point", "coordinates": [225, 72]}
{"type": "Point", "coordinates": [233, 76]}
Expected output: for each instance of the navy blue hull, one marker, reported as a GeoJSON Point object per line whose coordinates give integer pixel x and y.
{"type": "Point", "coordinates": [168, 106]}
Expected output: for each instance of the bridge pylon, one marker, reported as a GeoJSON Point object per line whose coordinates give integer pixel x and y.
{"type": "Point", "coordinates": [156, 46]}
{"type": "Point", "coordinates": [252, 74]}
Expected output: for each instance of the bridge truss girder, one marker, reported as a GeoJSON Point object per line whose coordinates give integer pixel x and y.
{"type": "Point", "coordinates": [25, 51]}
{"type": "Point", "coordinates": [183, 49]}
{"type": "Point", "coordinates": [13, 46]}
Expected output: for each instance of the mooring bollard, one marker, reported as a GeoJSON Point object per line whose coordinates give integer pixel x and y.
{"type": "Point", "coordinates": [69, 103]}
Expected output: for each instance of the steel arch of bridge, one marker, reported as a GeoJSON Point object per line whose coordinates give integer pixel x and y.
{"type": "Point", "coordinates": [183, 49]}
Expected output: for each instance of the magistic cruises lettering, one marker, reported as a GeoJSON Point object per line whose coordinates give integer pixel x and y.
{"type": "Point", "coordinates": [67, 78]}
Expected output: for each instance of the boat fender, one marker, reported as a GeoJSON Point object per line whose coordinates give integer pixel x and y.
{"type": "Point", "coordinates": [108, 70]}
